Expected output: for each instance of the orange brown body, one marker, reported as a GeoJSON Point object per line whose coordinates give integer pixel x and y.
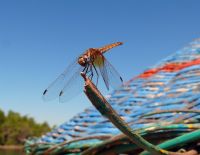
{"type": "Point", "coordinates": [95, 55]}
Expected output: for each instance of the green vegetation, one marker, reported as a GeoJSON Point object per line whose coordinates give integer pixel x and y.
{"type": "Point", "coordinates": [15, 129]}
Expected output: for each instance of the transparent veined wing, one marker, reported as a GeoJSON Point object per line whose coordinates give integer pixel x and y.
{"type": "Point", "coordinates": [55, 88]}
{"type": "Point", "coordinates": [104, 73]}
{"type": "Point", "coordinates": [72, 88]}
{"type": "Point", "coordinates": [110, 76]}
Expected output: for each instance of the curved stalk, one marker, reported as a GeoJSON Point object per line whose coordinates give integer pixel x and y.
{"type": "Point", "coordinates": [106, 110]}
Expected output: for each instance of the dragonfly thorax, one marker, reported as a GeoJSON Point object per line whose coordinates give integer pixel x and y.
{"type": "Point", "coordinates": [88, 56]}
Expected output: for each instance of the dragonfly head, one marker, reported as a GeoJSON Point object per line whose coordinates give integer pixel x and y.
{"type": "Point", "coordinates": [82, 60]}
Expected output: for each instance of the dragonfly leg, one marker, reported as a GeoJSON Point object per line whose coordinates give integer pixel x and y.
{"type": "Point", "coordinates": [85, 70]}
{"type": "Point", "coordinates": [91, 74]}
{"type": "Point", "coordinates": [96, 73]}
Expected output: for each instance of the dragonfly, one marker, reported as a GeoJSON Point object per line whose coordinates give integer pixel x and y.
{"type": "Point", "coordinates": [93, 63]}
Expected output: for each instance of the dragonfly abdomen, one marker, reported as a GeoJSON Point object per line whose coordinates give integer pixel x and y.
{"type": "Point", "coordinates": [108, 47]}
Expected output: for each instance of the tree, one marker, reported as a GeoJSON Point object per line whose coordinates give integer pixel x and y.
{"type": "Point", "coordinates": [2, 117]}
{"type": "Point", "coordinates": [15, 129]}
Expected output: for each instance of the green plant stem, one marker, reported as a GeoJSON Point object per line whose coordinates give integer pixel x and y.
{"type": "Point", "coordinates": [106, 110]}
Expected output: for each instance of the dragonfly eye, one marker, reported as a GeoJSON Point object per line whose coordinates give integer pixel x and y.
{"type": "Point", "coordinates": [82, 61]}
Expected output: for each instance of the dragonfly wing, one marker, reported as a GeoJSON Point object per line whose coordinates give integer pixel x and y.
{"type": "Point", "coordinates": [100, 63]}
{"type": "Point", "coordinates": [112, 76]}
{"type": "Point", "coordinates": [72, 88]}
{"type": "Point", "coordinates": [56, 86]}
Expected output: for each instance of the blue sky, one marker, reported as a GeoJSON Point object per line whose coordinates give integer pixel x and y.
{"type": "Point", "coordinates": [38, 39]}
